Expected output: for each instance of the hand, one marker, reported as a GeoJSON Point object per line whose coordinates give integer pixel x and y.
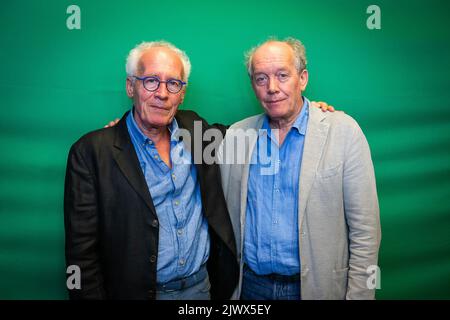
{"type": "Point", "coordinates": [111, 123]}
{"type": "Point", "coordinates": [323, 105]}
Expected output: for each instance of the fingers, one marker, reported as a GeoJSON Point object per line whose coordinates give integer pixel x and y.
{"type": "Point", "coordinates": [112, 123]}
{"type": "Point", "coordinates": [325, 107]}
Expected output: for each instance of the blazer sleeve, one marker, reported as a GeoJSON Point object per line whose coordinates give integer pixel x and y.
{"type": "Point", "coordinates": [81, 226]}
{"type": "Point", "coordinates": [362, 215]}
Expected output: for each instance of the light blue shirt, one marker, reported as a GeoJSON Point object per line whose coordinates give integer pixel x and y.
{"type": "Point", "coordinates": [271, 226]}
{"type": "Point", "coordinates": [183, 229]}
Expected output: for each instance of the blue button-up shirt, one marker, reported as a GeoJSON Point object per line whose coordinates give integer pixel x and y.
{"type": "Point", "coordinates": [271, 227]}
{"type": "Point", "coordinates": [183, 229]}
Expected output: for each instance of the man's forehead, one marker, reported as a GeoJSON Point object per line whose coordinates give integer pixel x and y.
{"type": "Point", "coordinates": [160, 59]}
{"type": "Point", "coordinates": [273, 53]}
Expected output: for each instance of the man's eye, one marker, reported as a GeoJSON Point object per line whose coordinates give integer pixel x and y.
{"type": "Point", "coordinates": [283, 76]}
{"type": "Point", "coordinates": [174, 83]}
{"type": "Point", "coordinates": [260, 79]}
{"type": "Point", "coordinates": [151, 80]}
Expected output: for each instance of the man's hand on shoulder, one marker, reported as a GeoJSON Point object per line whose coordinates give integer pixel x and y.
{"type": "Point", "coordinates": [323, 105]}
{"type": "Point", "coordinates": [112, 123]}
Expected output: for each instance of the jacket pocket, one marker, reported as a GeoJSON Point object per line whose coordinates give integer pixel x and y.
{"type": "Point", "coordinates": [329, 172]}
{"type": "Point", "coordinates": [326, 196]}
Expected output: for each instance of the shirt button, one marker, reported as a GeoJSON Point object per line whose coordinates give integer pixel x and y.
{"type": "Point", "coordinates": [152, 258]}
{"type": "Point", "coordinates": [156, 157]}
{"type": "Point", "coordinates": [180, 232]}
{"type": "Point", "coordinates": [177, 203]}
{"type": "Point", "coordinates": [182, 262]}
{"type": "Point", "coordinates": [155, 223]}
{"type": "Point", "coordinates": [173, 176]}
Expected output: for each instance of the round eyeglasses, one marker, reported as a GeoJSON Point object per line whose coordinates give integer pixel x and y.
{"type": "Point", "coordinates": [152, 84]}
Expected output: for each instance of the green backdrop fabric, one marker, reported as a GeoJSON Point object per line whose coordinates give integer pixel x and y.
{"type": "Point", "coordinates": [57, 84]}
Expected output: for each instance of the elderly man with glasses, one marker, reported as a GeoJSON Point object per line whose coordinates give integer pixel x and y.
{"type": "Point", "coordinates": [141, 220]}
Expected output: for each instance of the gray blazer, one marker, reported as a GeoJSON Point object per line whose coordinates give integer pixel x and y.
{"type": "Point", "coordinates": [338, 215]}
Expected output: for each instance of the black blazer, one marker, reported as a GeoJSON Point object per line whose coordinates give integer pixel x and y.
{"type": "Point", "coordinates": [111, 224]}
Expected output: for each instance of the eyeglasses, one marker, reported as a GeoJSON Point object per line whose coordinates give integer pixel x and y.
{"type": "Point", "coordinates": [152, 84]}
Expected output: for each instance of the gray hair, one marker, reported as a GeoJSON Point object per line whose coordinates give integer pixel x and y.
{"type": "Point", "coordinates": [296, 45]}
{"type": "Point", "coordinates": [136, 53]}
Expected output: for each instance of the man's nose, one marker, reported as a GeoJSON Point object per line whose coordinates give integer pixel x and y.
{"type": "Point", "coordinates": [162, 92]}
{"type": "Point", "coordinates": [272, 85]}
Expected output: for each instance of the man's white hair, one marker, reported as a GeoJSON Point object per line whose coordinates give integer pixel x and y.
{"type": "Point", "coordinates": [296, 45]}
{"type": "Point", "coordinates": [136, 53]}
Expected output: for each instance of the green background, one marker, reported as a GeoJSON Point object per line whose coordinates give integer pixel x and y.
{"type": "Point", "coordinates": [57, 84]}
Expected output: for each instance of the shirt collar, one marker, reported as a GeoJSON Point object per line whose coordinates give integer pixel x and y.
{"type": "Point", "coordinates": [302, 120]}
{"type": "Point", "coordinates": [300, 123]}
{"type": "Point", "coordinates": [141, 138]}
{"type": "Point", "coordinates": [174, 130]}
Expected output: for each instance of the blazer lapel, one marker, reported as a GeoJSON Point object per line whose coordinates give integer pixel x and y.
{"type": "Point", "coordinates": [315, 138]}
{"type": "Point", "coordinates": [126, 159]}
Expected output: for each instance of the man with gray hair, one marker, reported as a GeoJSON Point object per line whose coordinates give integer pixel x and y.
{"type": "Point", "coordinates": [141, 220]}
{"type": "Point", "coordinates": [309, 228]}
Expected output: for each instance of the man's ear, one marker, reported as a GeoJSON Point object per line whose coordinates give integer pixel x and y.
{"type": "Point", "coordinates": [182, 93]}
{"type": "Point", "coordinates": [303, 79]}
{"type": "Point", "coordinates": [130, 87]}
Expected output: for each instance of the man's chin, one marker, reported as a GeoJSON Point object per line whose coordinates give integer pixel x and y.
{"type": "Point", "coordinates": [275, 113]}
{"type": "Point", "coordinates": [157, 122]}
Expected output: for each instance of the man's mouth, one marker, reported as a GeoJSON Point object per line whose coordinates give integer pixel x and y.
{"type": "Point", "coordinates": [274, 101]}
{"type": "Point", "coordinates": [162, 108]}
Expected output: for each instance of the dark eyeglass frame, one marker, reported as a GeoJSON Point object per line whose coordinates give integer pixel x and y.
{"type": "Point", "coordinates": [144, 79]}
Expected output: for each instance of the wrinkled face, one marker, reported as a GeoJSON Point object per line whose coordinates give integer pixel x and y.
{"type": "Point", "coordinates": [276, 82]}
{"type": "Point", "coordinates": [157, 108]}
